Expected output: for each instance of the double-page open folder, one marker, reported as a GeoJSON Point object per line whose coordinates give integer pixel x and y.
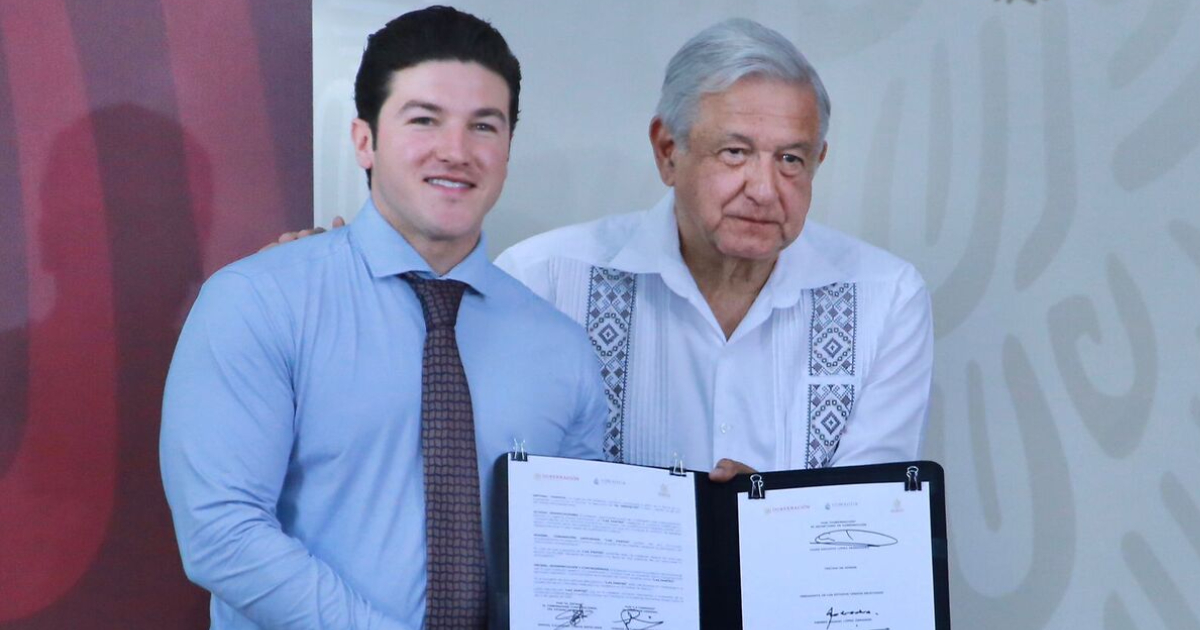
{"type": "Point", "coordinates": [608, 546]}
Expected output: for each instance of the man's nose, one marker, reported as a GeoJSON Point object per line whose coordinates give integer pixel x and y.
{"type": "Point", "coordinates": [761, 179]}
{"type": "Point", "coordinates": [452, 146]}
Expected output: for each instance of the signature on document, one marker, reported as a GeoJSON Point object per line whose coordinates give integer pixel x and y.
{"type": "Point", "coordinates": [637, 619]}
{"type": "Point", "coordinates": [570, 618]}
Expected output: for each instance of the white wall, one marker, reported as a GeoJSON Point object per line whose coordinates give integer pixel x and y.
{"type": "Point", "coordinates": [1037, 162]}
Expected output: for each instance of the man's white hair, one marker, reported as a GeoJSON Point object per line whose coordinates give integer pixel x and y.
{"type": "Point", "coordinates": [720, 56]}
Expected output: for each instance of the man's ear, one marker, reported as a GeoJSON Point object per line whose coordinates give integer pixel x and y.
{"type": "Point", "coordinates": [665, 150]}
{"type": "Point", "coordinates": [364, 142]}
{"type": "Point", "coordinates": [820, 157]}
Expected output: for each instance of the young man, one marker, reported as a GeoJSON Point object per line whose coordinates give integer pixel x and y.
{"type": "Point", "coordinates": [335, 405]}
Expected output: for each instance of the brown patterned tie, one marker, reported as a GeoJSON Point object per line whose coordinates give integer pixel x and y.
{"type": "Point", "coordinates": [456, 591]}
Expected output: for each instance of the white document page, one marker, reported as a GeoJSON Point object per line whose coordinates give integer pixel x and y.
{"type": "Point", "coordinates": [838, 557]}
{"type": "Point", "coordinates": [599, 546]}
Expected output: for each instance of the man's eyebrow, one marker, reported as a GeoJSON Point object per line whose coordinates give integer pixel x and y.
{"type": "Point", "coordinates": [483, 112]}
{"type": "Point", "coordinates": [490, 112]}
{"type": "Point", "coordinates": [803, 145]}
{"type": "Point", "coordinates": [737, 137]}
{"type": "Point", "coordinates": [437, 109]}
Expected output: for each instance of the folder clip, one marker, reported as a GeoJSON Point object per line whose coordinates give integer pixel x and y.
{"type": "Point", "coordinates": [756, 487]}
{"type": "Point", "coordinates": [518, 453]}
{"type": "Point", "coordinates": [913, 483]}
{"type": "Point", "coordinates": [677, 468]}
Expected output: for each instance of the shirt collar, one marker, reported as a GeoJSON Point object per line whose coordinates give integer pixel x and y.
{"type": "Point", "coordinates": [654, 248]}
{"type": "Point", "coordinates": [802, 265]}
{"type": "Point", "coordinates": [388, 253]}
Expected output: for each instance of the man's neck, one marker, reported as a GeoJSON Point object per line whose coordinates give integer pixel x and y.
{"type": "Point", "coordinates": [440, 255]}
{"type": "Point", "coordinates": [729, 285]}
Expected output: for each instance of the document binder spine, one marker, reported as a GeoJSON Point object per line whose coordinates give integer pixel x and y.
{"type": "Point", "coordinates": [913, 483]}
{"type": "Point", "coordinates": [518, 453]}
{"type": "Point", "coordinates": [756, 487]}
{"type": "Point", "coordinates": [677, 468]}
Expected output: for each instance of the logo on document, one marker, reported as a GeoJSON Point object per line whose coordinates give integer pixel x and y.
{"type": "Point", "coordinates": [664, 491]}
{"type": "Point", "coordinates": [552, 477]}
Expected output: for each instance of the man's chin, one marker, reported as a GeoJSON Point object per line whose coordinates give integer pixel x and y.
{"type": "Point", "coordinates": [457, 235]}
{"type": "Point", "coordinates": [751, 251]}
{"type": "Point", "coordinates": [450, 227]}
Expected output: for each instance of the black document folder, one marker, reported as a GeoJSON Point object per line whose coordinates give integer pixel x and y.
{"type": "Point", "coordinates": [613, 546]}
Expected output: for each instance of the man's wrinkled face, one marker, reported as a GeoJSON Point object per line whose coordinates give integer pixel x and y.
{"type": "Point", "coordinates": [743, 185]}
{"type": "Point", "coordinates": [439, 155]}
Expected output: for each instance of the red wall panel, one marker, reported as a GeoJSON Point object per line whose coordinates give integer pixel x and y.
{"type": "Point", "coordinates": [143, 144]}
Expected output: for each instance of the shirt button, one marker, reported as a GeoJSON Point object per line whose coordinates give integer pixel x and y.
{"type": "Point", "coordinates": [724, 427]}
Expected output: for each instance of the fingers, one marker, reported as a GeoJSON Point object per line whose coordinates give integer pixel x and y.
{"type": "Point", "coordinates": [727, 469]}
{"type": "Point", "coordinates": [288, 237]}
{"type": "Point", "coordinates": [302, 233]}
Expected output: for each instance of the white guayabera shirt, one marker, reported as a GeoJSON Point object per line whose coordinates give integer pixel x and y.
{"type": "Point", "coordinates": [831, 366]}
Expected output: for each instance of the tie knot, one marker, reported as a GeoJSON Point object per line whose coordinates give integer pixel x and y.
{"type": "Point", "coordinates": [439, 299]}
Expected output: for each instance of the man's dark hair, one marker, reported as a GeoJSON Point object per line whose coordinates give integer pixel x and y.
{"type": "Point", "coordinates": [435, 33]}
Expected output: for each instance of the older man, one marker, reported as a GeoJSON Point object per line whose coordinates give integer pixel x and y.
{"type": "Point", "coordinates": [729, 329]}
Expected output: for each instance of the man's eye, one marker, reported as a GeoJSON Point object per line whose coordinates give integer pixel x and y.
{"type": "Point", "coordinates": [422, 120]}
{"type": "Point", "coordinates": [488, 127]}
{"type": "Point", "coordinates": [733, 155]}
{"type": "Point", "coordinates": [791, 163]}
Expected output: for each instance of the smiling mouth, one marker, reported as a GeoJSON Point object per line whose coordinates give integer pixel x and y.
{"type": "Point", "coordinates": [442, 182]}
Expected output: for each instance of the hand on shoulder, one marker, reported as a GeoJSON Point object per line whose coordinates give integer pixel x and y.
{"type": "Point", "coordinates": [288, 237]}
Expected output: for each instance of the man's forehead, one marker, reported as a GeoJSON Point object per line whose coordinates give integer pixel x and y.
{"type": "Point", "coordinates": [749, 111]}
{"type": "Point", "coordinates": [450, 76]}
{"type": "Point", "coordinates": [756, 91]}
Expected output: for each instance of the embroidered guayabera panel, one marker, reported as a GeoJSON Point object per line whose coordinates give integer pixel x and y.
{"type": "Point", "coordinates": [829, 408]}
{"type": "Point", "coordinates": [611, 297]}
{"type": "Point", "coordinates": [833, 330]}
{"type": "Point", "coordinates": [832, 333]}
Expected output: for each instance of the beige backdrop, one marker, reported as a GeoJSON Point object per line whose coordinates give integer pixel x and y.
{"type": "Point", "coordinates": [1036, 161]}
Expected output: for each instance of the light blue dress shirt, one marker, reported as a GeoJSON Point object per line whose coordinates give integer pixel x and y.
{"type": "Point", "coordinates": [291, 443]}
